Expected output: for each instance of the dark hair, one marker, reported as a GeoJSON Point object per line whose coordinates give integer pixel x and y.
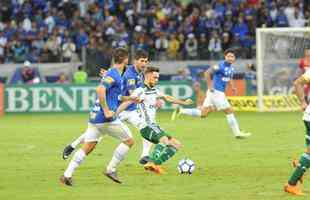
{"type": "Point", "coordinates": [230, 50]}
{"type": "Point", "coordinates": [119, 55]}
{"type": "Point", "coordinates": [140, 53]}
{"type": "Point", "coordinates": [80, 67]}
{"type": "Point", "coordinates": [151, 69]}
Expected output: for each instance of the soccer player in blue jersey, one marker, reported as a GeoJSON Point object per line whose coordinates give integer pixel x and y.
{"type": "Point", "coordinates": [132, 79]}
{"type": "Point", "coordinates": [103, 121]}
{"type": "Point", "coordinates": [216, 98]}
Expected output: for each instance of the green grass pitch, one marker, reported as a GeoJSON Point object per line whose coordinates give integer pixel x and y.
{"type": "Point", "coordinates": [226, 168]}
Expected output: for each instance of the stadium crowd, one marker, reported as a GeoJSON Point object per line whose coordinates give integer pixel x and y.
{"type": "Point", "coordinates": [57, 30]}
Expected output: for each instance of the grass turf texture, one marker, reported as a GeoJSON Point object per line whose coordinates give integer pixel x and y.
{"type": "Point", "coordinates": [226, 168]}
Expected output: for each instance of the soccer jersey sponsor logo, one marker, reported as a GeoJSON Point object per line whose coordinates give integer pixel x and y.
{"type": "Point", "coordinates": [270, 103]}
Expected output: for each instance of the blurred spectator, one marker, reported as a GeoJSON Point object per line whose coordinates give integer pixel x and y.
{"type": "Point", "coordinates": [62, 79]}
{"type": "Point", "coordinates": [173, 47]}
{"type": "Point", "coordinates": [68, 50]}
{"type": "Point", "coordinates": [183, 75]}
{"type": "Point", "coordinates": [226, 42]}
{"type": "Point", "coordinates": [241, 28]}
{"type": "Point", "coordinates": [281, 19]}
{"type": "Point", "coordinates": [191, 47]}
{"type": "Point", "coordinates": [297, 20]}
{"type": "Point", "coordinates": [53, 47]}
{"type": "Point", "coordinates": [28, 74]}
{"type": "Point", "coordinates": [215, 47]}
{"type": "Point", "coordinates": [3, 43]}
{"type": "Point", "coordinates": [30, 29]}
{"type": "Point", "coordinates": [19, 51]}
{"type": "Point", "coordinates": [161, 45]}
{"type": "Point", "coordinates": [203, 47]}
{"type": "Point", "coordinates": [80, 76]}
{"type": "Point", "coordinates": [250, 78]}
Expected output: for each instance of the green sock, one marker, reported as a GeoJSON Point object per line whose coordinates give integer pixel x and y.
{"type": "Point", "coordinates": [307, 125]}
{"type": "Point", "coordinates": [158, 149]}
{"type": "Point", "coordinates": [303, 165]}
{"type": "Point", "coordinates": [166, 154]}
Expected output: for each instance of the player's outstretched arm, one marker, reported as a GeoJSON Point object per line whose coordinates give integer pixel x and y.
{"type": "Point", "coordinates": [233, 86]}
{"type": "Point", "coordinates": [174, 100]}
{"type": "Point", "coordinates": [299, 89]}
{"type": "Point", "coordinates": [123, 107]}
{"type": "Point", "coordinates": [101, 92]}
{"type": "Point", "coordinates": [208, 74]}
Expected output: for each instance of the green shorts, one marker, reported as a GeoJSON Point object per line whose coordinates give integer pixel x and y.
{"type": "Point", "coordinates": [153, 133]}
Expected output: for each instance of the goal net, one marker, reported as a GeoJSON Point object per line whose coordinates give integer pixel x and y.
{"type": "Point", "coordinates": [278, 53]}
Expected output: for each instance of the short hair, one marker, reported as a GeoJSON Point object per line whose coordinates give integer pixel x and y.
{"type": "Point", "coordinates": [151, 69]}
{"type": "Point", "coordinates": [119, 55]}
{"type": "Point", "coordinates": [140, 53]}
{"type": "Point", "coordinates": [230, 50]}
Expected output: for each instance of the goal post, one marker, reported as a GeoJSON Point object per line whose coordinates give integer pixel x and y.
{"type": "Point", "coordinates": [1, 99]}
{"type": "Point", "coordinates": [278, 51]}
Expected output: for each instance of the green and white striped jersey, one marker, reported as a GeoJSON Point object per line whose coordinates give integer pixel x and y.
{"type": "Point", "coordinates": [147, 107]}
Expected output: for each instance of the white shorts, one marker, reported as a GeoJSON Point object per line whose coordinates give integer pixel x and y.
{"type": "Point", "coordinates": [306, 116]}
{"type": "Point", "coordinates": [132, 117]}
{"type": "Point", "coordinates": [115, 129]}
{"type": "Point", "coordinates": [216, 99]}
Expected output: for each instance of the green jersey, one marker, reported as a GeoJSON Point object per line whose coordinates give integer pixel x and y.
{"type": "Point", "coordinates": [147, 107]}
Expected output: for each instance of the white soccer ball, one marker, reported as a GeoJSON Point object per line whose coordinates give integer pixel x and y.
{"type": "Point", "coordinates": [186, 166]}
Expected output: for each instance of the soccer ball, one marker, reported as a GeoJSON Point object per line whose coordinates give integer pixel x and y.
{"type": "Point", "coordinates": [186, 166]}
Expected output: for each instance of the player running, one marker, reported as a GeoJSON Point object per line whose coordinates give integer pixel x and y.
{"type": "Point", "coordinates": [304, 64]}
{"type": "Point", "coordinates": [102, 121]}
{"type": "Point", "coordinates": [216, 98]}
{"type": "Point", "coordinates": [166, 146]}
{"type": "Point", "coordinates": [132, 79]}
{"type": "Point", "coordinates": [304, 161]}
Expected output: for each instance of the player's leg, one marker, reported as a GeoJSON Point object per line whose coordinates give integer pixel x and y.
{"type": "Point", "coordinates": [234, 125]}
{"type": "Point", "coordinates": [91, 137]}
{"type": "Point", "coordinates": [301, 168]}
{"type": "Point", "coordinates": [221, 103]}
{"type": "Point", "coordinates": [135, 119]}
{"type": "Point", "coordinates": [70, 148]}
{"type": "Point", "coordinates": [152, 133]}
{"type": "Point", "coordinates": [172, 145]}
{"type": "Point", "coordinates": [202, 111]}
{"type": "Point", "coordinates": [121, 132]}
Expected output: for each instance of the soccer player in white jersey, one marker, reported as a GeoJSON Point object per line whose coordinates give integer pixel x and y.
{"type": "Point", "coordinates": [132, 79]}
{"type": "Point", "coordinates": [216, 98]}
{"type": "Point", "coordinates": [303, 164]}
{"type": "Point", "coordinates": [102, 121]}
{"type": "Point", "coordinates": [166, 146]}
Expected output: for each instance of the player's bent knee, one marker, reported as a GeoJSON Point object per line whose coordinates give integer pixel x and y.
{"type": "Point", "coordinates": [88, 147]}
{"type": "Point", "coordinates": [164, 140]}
{"type": "Point", "coordinates": [130, 142]}
{"type": "Point", "coordinates": [229, 111]}
{"type": "Point", "coordinates": [204, 112]}
{"type": "Point", "coordinates": [176, 143]}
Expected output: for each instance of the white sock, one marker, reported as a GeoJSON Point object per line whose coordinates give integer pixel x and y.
{"type": "Point", "coordinates": [118, 155]}
{"type": "Point", "coordinates": [78, 141]}
{"type": "Point", "coordinates": [76, 160]}
{"type": "Point", "coordinates": [147, 145]}
{"type": "Point", "coordinates": [191, 111]}
{"type": "Point", "coordinates": [232, 121]}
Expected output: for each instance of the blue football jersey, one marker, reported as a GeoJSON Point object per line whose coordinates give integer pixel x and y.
{"type": "Point", "coordinates": [223, 73]}
{"type": "Point", "coordinates": [132, 80]}
{"type": "Point", "coordinates": [112, 81]}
